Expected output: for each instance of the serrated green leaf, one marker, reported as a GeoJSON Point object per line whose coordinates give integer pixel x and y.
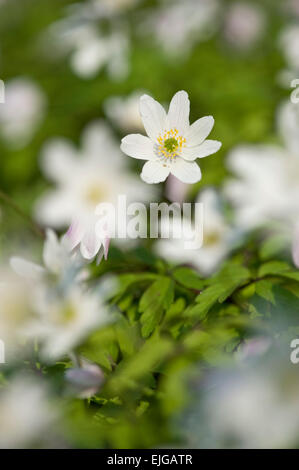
{"type": "Point", "coordinates": [157, 298]}
{"type": "Point", "coordinates": [188, 278]}
{"type": "Point", "coordinates": [264, 289]}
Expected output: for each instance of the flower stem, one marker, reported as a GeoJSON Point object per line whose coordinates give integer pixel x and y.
{"type": "Point", "coordinates": [34, 227]}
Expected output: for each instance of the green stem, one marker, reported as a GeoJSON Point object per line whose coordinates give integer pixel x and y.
{"type": "Point", "coordinates": [34, 227]}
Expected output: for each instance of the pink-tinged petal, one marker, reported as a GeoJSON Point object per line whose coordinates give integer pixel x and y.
{"type": "Point", "coordinates": [153, 116]}
{"type": "Point", "coordinates": [295, 248]}
{"type": "Point", "coordinates": [175, 190]}
{"type": "Point", "coordinates": [208, 147]}
{"type": "Point", "coordinates": [187, 172]}
{"type": "Point", "coordinates": [138, 146]}
{"type": "Point", "coordinates": [154, 172]}
{"type": "Point", "coordinates": [90, 244]}
{"type": "Point", "coordinates": [74, 234]}
{"type": "Point", "coordinates": [178, 114]}
{"type": "Point", "coordinates": [106, 244]}
{"type": "Point", "coordinates": [199, 131]}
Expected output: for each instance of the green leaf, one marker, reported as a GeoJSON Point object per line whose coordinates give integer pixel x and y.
{"type": "Point", "coordinates": [264, 289]}
{"type": "Point", "coordinates": [188, 278]}
{"type": "Point", "coordinates": [273, 268]}
{"type": "Point", "coordinates": [273, 246]}
{"type": "Point", "coordinates": [157, 298]}
{"type": "Point", "coordinates": [221, 287]}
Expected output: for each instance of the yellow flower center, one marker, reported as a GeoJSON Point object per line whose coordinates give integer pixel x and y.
{"type": "Point", "coordinates": [94, 194]}
{"type": "Point", "coordinates": [169, 145]}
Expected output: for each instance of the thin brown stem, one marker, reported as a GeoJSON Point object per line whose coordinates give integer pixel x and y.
{"type": "Point", "coordinates": [34, 227]}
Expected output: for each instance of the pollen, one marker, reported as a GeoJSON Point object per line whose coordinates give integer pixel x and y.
{"type": "Point", "coordinates": [169, 145]}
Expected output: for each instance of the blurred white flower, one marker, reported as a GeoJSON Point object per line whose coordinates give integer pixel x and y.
{"type": "Point", "coordinates": [289, 44]}
{"type": "Point", "coordinates": [124, 112]}
{"type": "Point", "coordinates": [178, 25]}
{"type": "Point", "coordinates": [244, 24]}
{"type": "Point", "coordinates": [172, 144]}
{"type": "Point", "coordinates": [26, 413]}
{"type": "Point", "coordinates": [252, 407]}
{"type": "Point", "coordinates": [90, 50]}
{"type": "Point", "coordinates": [22, 112]}
{"type": "Point", "coordinates": [86, 380]}
{"type": "Point", "coordinates": [58, 261]}
{"type": "Point", "coordinates": [175, 190]}
{"type": "Point", "coordinates": [84, 179]}
{"type": "Point", "coordinates": [108, 8]}
{"type": "Point", "coordinates": [61, 323]}
{"type": "Point", "coordinates": [15, 311]}
{"type": "Point", "coordinates": [267, 187]}
{"type": "Point", "coordinates": [218, 238]}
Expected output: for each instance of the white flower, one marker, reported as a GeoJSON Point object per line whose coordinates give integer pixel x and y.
{"type": "Point", "coordinates": [124, 112]}
{"type": "Point", "coordinates": [267, 188]}
{"type": "Point", "coordinates": [84, 179]}
{"type": "Point", "coordinates": [57, 258]}
{"type": "Point", "coordinates": [26, 413]}
{"type": "Point", "coordinates": [15, 311]}
{"type": "Point", "coordinates": [175, 190]}
{"type": "Point", "coordinates": [244, 24]}
{"type": "Point", "coordinates": [172, 144]}
{"type": "Point", "coordinates": [90, 50]}
{"type": "Point", "coordinates": [289, 42]}
{"type": "Point", "coordinates": [22, 112]}
{"type": "Point", "coordinates": [62, 323]}
{"type": "Point", "coordinates": [85, 380]}
{"type": "Point", "coordinates": [178, 25]}
{"type": "Point", "coordinates": [218, 238]}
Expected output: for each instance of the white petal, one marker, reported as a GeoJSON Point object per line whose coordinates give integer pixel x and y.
{"type": "Point", "coordinates": [154, 172]}
{"type": "Point", "coordinates": [90, 244]}
{"type": "Point", "coordinates": [208, 147]}
{"type": "Point", "coordinates": [138, 146]}
{"type": "Point", "coordinates": [26, 269]}
{"type": "Point", "coordinates": [74, 234]}
{"type": "Point", "coordinates": [199, 131]}
{"type": "Point", "coordinates": [187, 172]}
{"type": "Point", "coordinates": [58, 159]}
{"type": "Point", "coordinates": [178, 114]}
{"type": "Point", "coordinates": [153, 116]}
{"type": "Point", "coordinates": [53, 253]}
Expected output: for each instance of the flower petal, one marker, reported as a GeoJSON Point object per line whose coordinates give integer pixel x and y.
{"type": "Point", "coordinates": [208, 147]}
{"type": "Point", "coordinates": [187, 172]}
{"type": "Point", "coordinates": [90, 244]}
{"type": "Point", "coordinates": [74, 234]}
{"type": "Point", "coordinates": [153, 116]}
{"type": "Point", "coordinates": [53, 253]}
{"type": "Point", "coordinates": [26, 269]}
{"type": "Point", "coordinates": [154, 172]}
{"type": "Point", "coordinates": [178, 114]}
{"type": "Point", "coordinates": [58, 159]}
{"type": "Point", "coordinates": [199, 131]}
{"type": "Point", "coordinates": [138, 146]}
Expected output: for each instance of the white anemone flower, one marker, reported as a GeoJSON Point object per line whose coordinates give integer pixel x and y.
{"type": "Point", "coordinates": [58, 262]}
{"type": "Point", "coordinates": [96, 174]}
{"type": "Point", "coordinates": [266, 189]}
{"type": "Point", "coordinates": [15, 311]}
{"type": "Point", "coordinates": [27, 414]}
{"type": "Point", "coordinates": [177, 26]}
{"type": "Point", "coordinates": [244, 24]}
{"type": "Point", "coordinates": [172, 145]}
{"type": "Point", "coordinates": [22, 112]}
{"type": "Point", "coordinates": [124, 112]}
{"type": "Point", "coordinates": [218, 238]}
{"type": "Point", "coordinates": [62, 323]}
